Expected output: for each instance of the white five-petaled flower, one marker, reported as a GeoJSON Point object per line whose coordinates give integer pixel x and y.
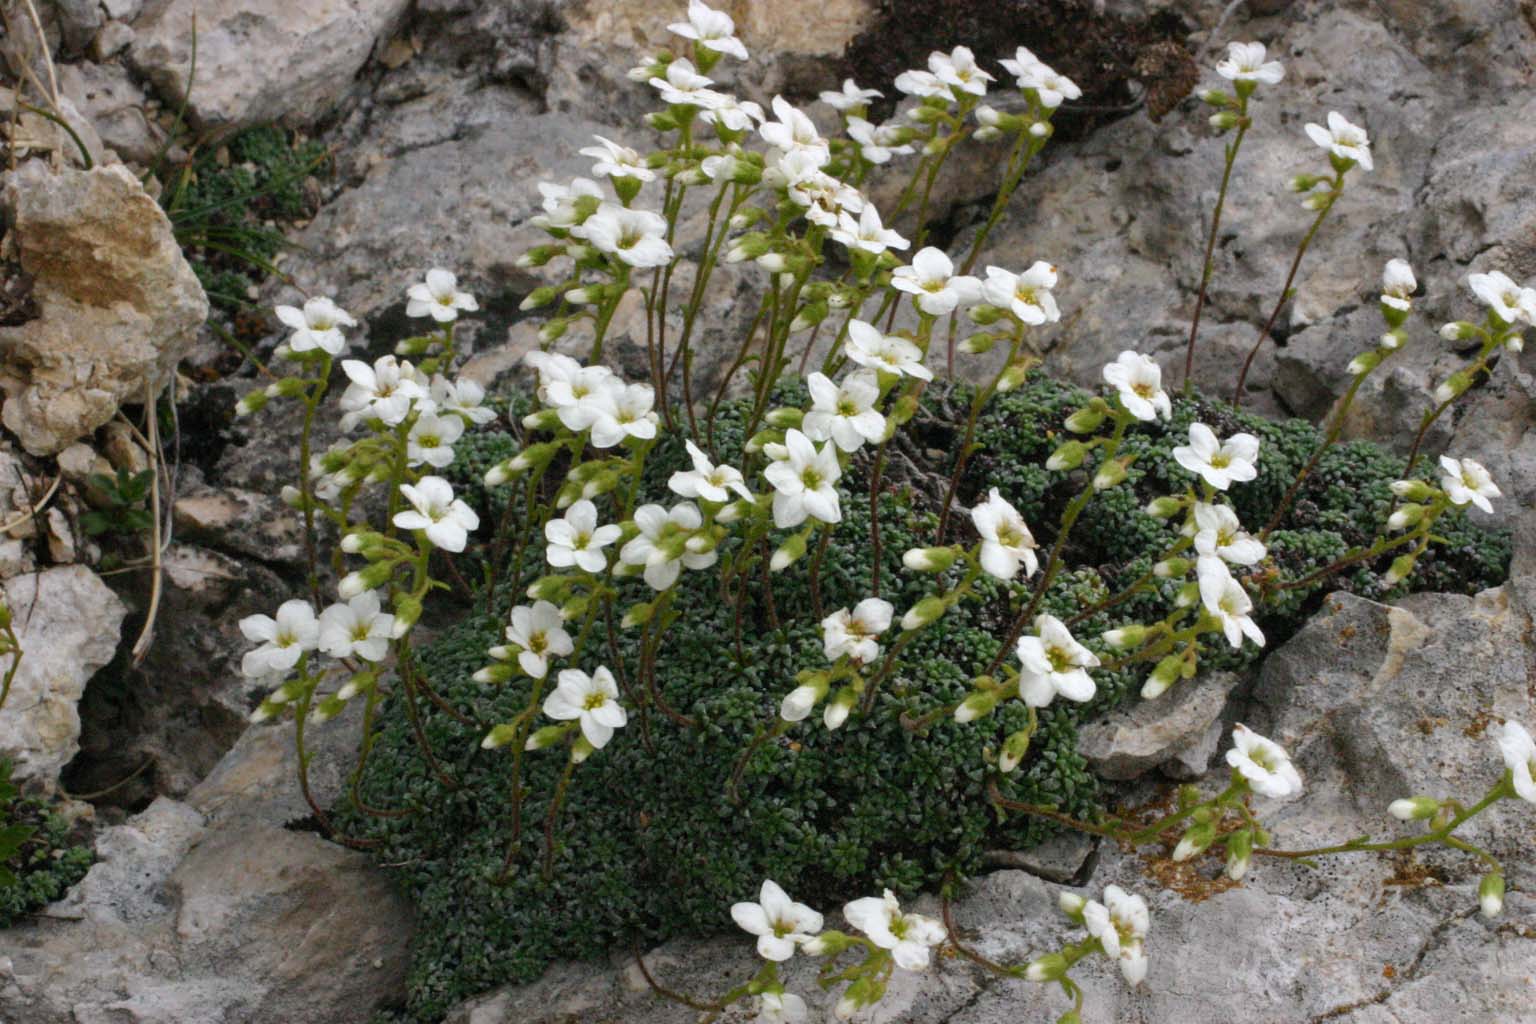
{"type": "Point", "coordinates": [1398, 284]}
{"type": "Point", "coordinates": [383, 391]}
{"type": "Point", "coordinates": [707, 481]}
{"type": "Point", "coordinates": [844, 413]}
{"type": "Point", "coordinates": [1219, 534]}
{"type": "Point", "coordinates": [782, 1008]}
{"type": "Point", "coordinates": [793, 131]}
{"type": "Point", "coordinates": [1053, 662]}
{"type": "Point", "coordinates": [780, 924]}
{"type": "Point", "coordinates": [711, 29]}
{"type": "Point", "coordinates": [562, 203]}
{"type": "Point", "coordinates": [656, 547]}
{"type": "Point", "coordinates": [431, 439]}
{"type": "Point", "coordinates": [1027, 295]}
{"type": "Point", "coordinates": [1120, 924]}
{"type": "Point", "coordinates": [445, 519]}
{"type": "Point", "coordinates": [1519, 752]}
{"type": "Point", "coordinates": [684, 85]}
{"type": "Point", "coordinates": [439, 297]}
{"type": "Point", "coordinates": [462, 398]}
{"type": "Point", "coordinates": [958, 70]}
{"type": "Point", "coordinates": [878, 143]}
{"type": "Point", "coordinates": [1343, 139]}
{"type": "Point", "coordinates": [931, 277]}
{"type": "Point", "coordinates": [317, 326]}
{"type": "Point", "coordinates": [1226, 600]}
{"type": "Point", "coordinates": [867, 346]}
{"type": "Point", "coordinates": [1219, 463]}
{"type": "Point", "coordinates": [805, 482]}
{"type": "Point", "coordinates": [1138, 381]}
{"type": "Point", "coordinates": [1466, 480]}
{"type": "Point", "coordinates": [574, 391]}
{"type": "Point", "coordinates": [853, 632]}
{"type": "Point", "coordinates": [1509, 301]}
{"type": "Point", "coordinates": [732, 114]}
{"type": "Point", "coordinates": [916, 82]}
{"type": "Point", "coordinates": [1006, 542]}
{"type": "Point", "coordinates": [866, 232]}
{"type": "Point", "coordinates": [620, 413]}
{"type": "Point", "coordinates": [283, 640]}
{"type": "Point", "coordinates": [617, 161]}
{"type": "Point", "coordinates": [635, 237]}
{"type": "Point", "coordinates": [539, 633]}
{"type": "Point", "coordinates": [357, 628]}
{"type": "Point", "coordinates": [1033, 73]}
{"type": "Point", "coordinates": [1263, 763]}
{"type": "Point", "coordinates": [578, 540]}
{"type": "Point", "coordinates": [1245, 63]}
{"type": "Point", "coordinates": [850, 96]}
{"type": "Point", "coordinates": [907, 936]}
{"type": "Point", "coordinates": [592, 700]}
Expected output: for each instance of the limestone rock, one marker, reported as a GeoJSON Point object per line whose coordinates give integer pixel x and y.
{"type": "Point", "coordinates": [1146, 733]}
{"type": "Point", "coordinates": [107, 95]}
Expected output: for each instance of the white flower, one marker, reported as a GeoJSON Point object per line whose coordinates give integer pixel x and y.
{"type": "Point", "coordinates": [733, 115]}
{"type": "Point", "coordinates": [1466, 480]}
{"type": "Point", "coordinates": [356, 629]}
{"type": "Point", "coordinates": [1033, 73]}
{"type": "Point", "coordinates": [706, 480]}
{"type": "Point", "coordinates": [445, 519]}
{"type": "Point", "coordinates": [853, 632]}
{"type": "Point", "coordinates": [867, 346]}
{"type": "Point", "coordinates": [439, 297]}
{"type": "Point", "coordinates": [462, 398]}
{"type": "Point", "coordinates": [578, 540]}
{"type": "Point", "coordinates": [1398, 284]}
{"type": "Point", "coordinates": [825, 199]}
{"type": "Point", "coordinates": [1245, 63]}
{"type": "Point", "coordinates": [850, 96]}
{"type": "Point", "coordinates": [1219, 534]}
{"type": "Point", "coordinates": [656, 547]}
{"type": "Point", "coordinates": [1120, 924]}
{"type": "Point", "coordinates": [793, 131]}
{"type": "Point", "coordinates": [781, 1008]}
{"type": "Point", "coordinates": [591, 700]}
{"type": "Point", "coordinates": [617, 161]}
{"type": "Point", "coordinates": [1006, 542]}
{"type": "Point", "coordinates": [1027, 295]}
{"type": "Point", "coordinates": [958, 70]}
{"type": "Point", "coordinates": [684, 85]}
{"type": "Point", "coordinates": [431, 439]}
{"type": "Point", "coordinates": [711, 29]}
{"type": "Point", "coordinates": [907, 936]}
{"type": "Point", "coordinates": [867, 233]}
{"type": "Point", "coordinates": [877, 143]}
{"type": "Point", "coordinates": [1219, 463]}
{"type": "Point", "coordinates": [1510, 302]}
{"type": "Point", "coordinates": [1344, 140]}
{"type": "Point", "coordinates": [1054, 663]}
{"type": "Point", "coordinates": [931, 278]}
{"type": "Point", "coordinates": [805, 482]}
{"type": "Point", "coordinates": [383, 391]}
{"type": "Point", "coordinates": [283, 640]}
{"type": "Point", "coordinates": [1226, 600]}
{"type": "Point", "coordinates": [1519, 752]}
{"type": "Point", "coordinates": [619, 413]}
{"type": "Point", "coordinates": [557, 376]}
{"type": "Point", "coordinates": [779, 923]}
{"type": "Point", "coordinates": [925, 84]}
{"type": "Point", "coordinates": [575, 391]}
{"type": "Point", "coordinates": [1139, 382]}
{"type": "Point", "coordinates": [561, 202]}
{"type": "Point", "coordinates": [844, 413]}
{"type": "Point", "coordinates": [539, 632]}
{"type": "Point", "coordinates": [636, 237]}
{"type": "Point", "coordinates": [1264, 763]}
{"type": "Point", "coordinates": [317, 326]}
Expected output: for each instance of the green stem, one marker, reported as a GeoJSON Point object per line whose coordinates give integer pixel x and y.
{"type": "Point", "coordinates": [1210, 246]}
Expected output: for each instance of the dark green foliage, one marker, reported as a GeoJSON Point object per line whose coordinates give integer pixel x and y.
{"type": "Point", "coordinates": [655, 840]}
{"type": "Point", "coordinates": [39, 859]}
{"type": "Point", "coordinates": [122, 510]}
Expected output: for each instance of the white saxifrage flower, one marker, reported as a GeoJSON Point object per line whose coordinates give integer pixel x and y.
{"type": "Point", "coordinates": [592, 700]}
{"type": "Point", "coordinates": [1219, 463]}
{"type": "Point", "coordinates": [617, 161]}
{"type": "Point", "coordinates": [578, 540]}
{"type": "Point", "coordinates": [683, 85]}
{"type": "Point", "coordinates": [574, 391]}
{"type": "Point", "coordinates": [707, 481]}
{"type": "Point", "coordinates": [462, 398]}
{"type": "Point", "coordinates": [732, 114]}
{"type": "Point", "coordinates": [853, 632]}
{"type": "Point", "coordinates": [866, 233]}
{"type": "Point", "coordinates": [1466, 481]}
{"type": "Point", "coordinates": [557, 376]}
{"type": "Point", "coordinates": [383, 391]}
{"type": "Point", "coordinates": [1519, 753]}
{"type": "Point", "coordinates": [711, 29]}
{"type": "Point", "coordinates": [660, 547]}
{"type": "Point", "coordinates": [439, 297]}
{"type": "Point", "coordinates": [539, 633]}
{"type": "Point", "coordinates": [431, 439]}
{"type": "Point", "coordinates": [634, 237]}
{"type": "Point", "coordinates": [878, 143]}
{"type": "Point", "coordinates": [782, 1008]}
{"type": "Point", "coordinates": [908, 936]}
{"type": "Point", "coordinates": [1030, 72]}
{"type": "Point", "coordinates": [794, 131]}
{"type": "Point", "coordinates": [1398, 284]}
{"type": "Point", "coordinates": [1227, 602]}
{"type": "Point", "coordinates": [1245, 63]}
{"type": "Point", "coordinates": [1263, 763]}
{"type": "Point", "coordinates": [931, 278]}
{"type": "Point", "coordinates": [1121, 924]}
{"type": "Point", "coordinates": [1138, 382]}
{"type": "Point", "coordinates": [805, 482]}
{"type": "Point", "coordinates": [924, 84]}
{"type": "Point", "coordinates": [621, 413]}
{"type": "Point", "coordinates": [1006, 542]}
{"type": "Point", "coordinates": [1219, 534]}
{"type": "Point", "coordinates": [1027, 295]}
{"type": "Point", "coordinates": [780, 924]}
{"type": "Point", "coordinates": [958, 70]}
{"type": "Point", "coordinates": [317, 326]}
{"type": "Point", "coordinates": [282, 640]}
{"type": "Point", "coordinates": [1509, 301]}
{"type": "Point", "coordinates": [434, 510]}
{"type": "Point", "coordinates": [850, 96]}
{"type": "Point", "coordinates": [844, 413]}
{"type": "Point", "coordinates": [868, 346]}
{"type": "Point", "coordinates": [357, 629]}
{"type": "Point", "coordinates": [563, 203]}
{"type": "Point", "coordinates": [1343, 139]}
{"type": "Point", "coordinates": [1052, 663]}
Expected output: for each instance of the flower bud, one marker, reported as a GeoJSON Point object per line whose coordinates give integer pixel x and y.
{"type": "Point", "coordinates": [1401, 569]}
{"type": "Point", "coordinates": [977, 705]}
{"type": "Point", "coordinates": [545, 737]}
{"type": "Point", "coordinates": [985, 314]}
{"type": "Point", "coordinates": [1014, 375]}
{"type": "Point", "coordinates": [1415, 808]}
{"type": "Point", "coordinates": [1162, 677]}
{"type": "Point", "coordinates": [542, 296]}
{"type": "Point", "coordinates": [1040, 129]}
{"type": "Point", "coordinates": [360, 683]}
{"type": "Point", "coordinates": [549, 588]}
{"type": "Point", "coordinates": [1171, 568]}
{"type": "Point", "coordinates": [1214, 98]}
{"type": "Point", "coordinates": [798, 703]}
{"type": "Point", "coordinates": [554, 329]}
{"type": "Point", "coordinates": [254, 401]}
{"type": "Point", "coordinates": [499, 736]}
{"type": "Point", "coordinates": [1455, 385]}
{"type": "Point", "coordinates": [1051, 967]}
{"type": "Point", "coordinates": [1194, 842]}
{"type": "Point", "coordinates": [791, 551]}
{"type": "Point", "coordinates": [369, 577]}
{"type": "Point", "coordinates": [1412, 490]}
{"type": "Point", "coordinates": [407, 612]}
{"type": "Point", "coordinates": [929, 609]}
{"type": "Point", "coordinates": [1392, 340]}
{"type": "Point", "coordinates": [829, 943]}
{"type": "Point", "coordinates": [1072, 905]}
{"type": "Point", "coordinates": [1239, 854]}
{"type": "Point", "coordinates": [1303, 182]}
{"type": "Point", "coordinates": [809, 316]}
{"type": "Point", "coordinates": [1365, 362]}
{"type": "Point", "coordinates": [1126, 637]}
{"type": "Point", "coordinates": [1318, 201]}
{"type": "Point", "coordinates": [1110, 474]}
{"type": "Point", "coordinates": [978, 344]}
{"type": "Point", "coordinates": [1515, 341]}
{"type": "Point", "coordinates": [929, 559]}
{"type": "Point", "coordinates": [1405, 516]}
{"type": "Point", "coordinates": [1224, 121]}
{"type": "Point", "coordinates": [784, 418]}
{"type": "Point", "coordinates": [1087, 419]}
{"type": "Point", "coordinates": [1490, 894]}
{"type": "Point", "coordinates": [1165, 507]}
{"type": "Point", "coordinates": [734, 511]}
{"type": "Point", "coordinates": [836, 712]}
{"type": "Point", "coordinates": [493, 675]}
{"type": "Point", "coordinates": [638, 615]}
{"type": "Point", "coordinates": [1068, 456]}
{"type": "Point", "coordinates": [1014, 749]}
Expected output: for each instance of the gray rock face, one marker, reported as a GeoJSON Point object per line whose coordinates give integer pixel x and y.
{"type": "Point", "coordinates": [1129, 742]}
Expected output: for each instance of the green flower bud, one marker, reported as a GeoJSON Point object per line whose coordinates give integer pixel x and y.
{"type": "Point", "coordinates": [1051, 967]}
{"type": "Point", "coordinates": [1016, 374]}
{"type": "Point", "coordinates": [1401, 569]}
{"type": "Point", "coordinates": [542, 296]}
{"type": "Point", "coordinates": [1416, 808]}
{"type": "Point", "coordinates": [978, 705]}
{"type": "Point", "coordinates": [1195, 841]}
{"type": "Point", "coordinates": [930, 609]}
{"type": "Point", "coordinates": [930, 559]}
{"type": "Point", "coordinates": [1085, 420]}
{"type": "Point", "coordinates": [1490, 894]}
{"type": "Point", "coordinates": [1110, 474]}
{"type": "Point", "coordinates": [1014, 749]}
{"type": "Point", "coordinates": [979, 343]}
{"type": "Point", "coordinates": [499, 736]}
{"type": "Point", "coordinates": [986, 314]}
{"type": "Point", "coordinates": [545, 737]}
{"type": "Point", "coordinates": [1068, 456]}
{"type": "Point", "coordinates": [791, 551]}
{"type": "Point", "coordinates": [785, 418]}
{"type": "Point", "coordinates": [1239, 854]}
